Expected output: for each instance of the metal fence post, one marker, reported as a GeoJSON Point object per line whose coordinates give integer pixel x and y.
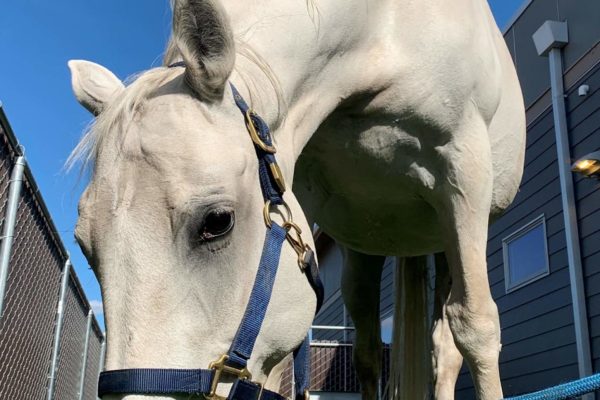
{"type": "Point", "coordinates": [84, 357]}
{"type": "Point", "coordinates": [102, 354]}
{"type": "Point", "coordinates": [60, 314]}
{"type": "Point", "coordinates": [10, 220]}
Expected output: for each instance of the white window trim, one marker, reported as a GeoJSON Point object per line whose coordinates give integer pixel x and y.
{"type": "Point", "coordinates": [540, 220]}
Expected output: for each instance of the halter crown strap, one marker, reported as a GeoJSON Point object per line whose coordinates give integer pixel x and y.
{"type": "Point", "coordinates": [268, 170]}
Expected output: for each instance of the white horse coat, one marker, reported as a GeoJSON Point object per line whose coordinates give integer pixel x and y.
{"type": "Point", "coordinates": [400, 123]}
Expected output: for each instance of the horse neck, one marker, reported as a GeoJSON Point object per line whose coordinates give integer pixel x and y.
{"type": "Point", "coordinates": [315, 56]}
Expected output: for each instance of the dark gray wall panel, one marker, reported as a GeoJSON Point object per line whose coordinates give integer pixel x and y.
{"type": "Point", "coordinates": [538, 380]}
{"type": "Point", "coordinates": [539, 127]}
{"type": "Point", "coordinates": [509, 38]}
{"type": "Point", "coordinates": [552, 320]}
{"type": "Point", "coordinates": [533, 69]}
{"type": "Point", "coordinates": [584, 126]}
{"type": "Point", "coordinates": [593, 303]}
{"type": "Point", "coordinates": [590, 244]}
{"type": "Point", "coordinates": [593, 288]}
{"type": "Point", "coordinates": [592, 266]}
{"type": "Point", "coordinates": [331, 316]}
{"type": "Point", "coordinates": [386, 306]}
{"type": "Point", "coordinates": [546, 201]}
{"type": "Point", "coordinates": [574, 101]}
{"type": "Point", "coordinates": [589, 224]}
{"type": "Point", "coordinates": [540, 288]}
{"type": "Point", "coordinates": [548, 340]}
{"type": "Point", "coordinates": [588, 204]}
{"type": "Point", "coordinates": [542, 361]}
{"type": "Point", "coordinates": [582, 34]}
{"type": "Point", "coordinates": [584, 129]}
{"type": "Point", "coordinates": [538, 307]}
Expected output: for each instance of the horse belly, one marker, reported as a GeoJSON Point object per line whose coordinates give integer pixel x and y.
{"type": "Point", "coordinates": [365, 182]}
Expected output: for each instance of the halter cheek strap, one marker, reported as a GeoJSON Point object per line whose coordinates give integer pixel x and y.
{"type": "Point", "coordinates": [234, 363]}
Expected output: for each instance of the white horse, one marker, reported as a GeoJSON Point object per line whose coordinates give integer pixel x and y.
{"type": "Point", "coordinates": [401, 124]}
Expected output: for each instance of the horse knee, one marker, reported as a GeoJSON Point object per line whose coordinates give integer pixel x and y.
{"type": "Point", "coordinates": [476, 330]}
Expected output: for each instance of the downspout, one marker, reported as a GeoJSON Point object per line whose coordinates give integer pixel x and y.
{"type": "Point", "coordinates": [10, 220]}
{"type": "Point", "coordinates": [549, 39]}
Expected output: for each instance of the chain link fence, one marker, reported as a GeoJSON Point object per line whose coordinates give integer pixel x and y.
{"type": "Point", "coordinates": [71, 345]}
{"type": "Point", "coordinates": [29, 318]}
{"type": "Point", "coordinates": [92, 369]}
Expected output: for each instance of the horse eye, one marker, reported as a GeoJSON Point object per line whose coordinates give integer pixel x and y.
{"type": "Point", "coordinates": [217, 223]}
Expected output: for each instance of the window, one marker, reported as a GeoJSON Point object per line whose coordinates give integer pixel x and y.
{"type": "Point", "coordinates": [525, 255]}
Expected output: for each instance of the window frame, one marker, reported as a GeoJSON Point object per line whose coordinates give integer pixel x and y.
{"type": "Point", "coordinates": [522, 231]}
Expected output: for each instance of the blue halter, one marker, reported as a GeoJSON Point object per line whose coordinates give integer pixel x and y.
{"type": "Point", "coordinates": [234, 363]}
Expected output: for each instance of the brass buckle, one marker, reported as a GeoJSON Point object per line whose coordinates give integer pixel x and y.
{"type": "Point", "coordinates": [254, 134]}
{"type": "Point", "coordinates": [278, 176]}
{"type": "Point", "coordinates": [220, 367]}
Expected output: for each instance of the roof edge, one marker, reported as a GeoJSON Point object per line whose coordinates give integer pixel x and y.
{"type": "Point", "coordinates": [516, 16]}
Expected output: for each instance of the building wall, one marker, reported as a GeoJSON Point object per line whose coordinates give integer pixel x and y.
{"type": "Point", "coordinates": [582, 16]}
{"type": "Point", "coordinates": [584, 133]}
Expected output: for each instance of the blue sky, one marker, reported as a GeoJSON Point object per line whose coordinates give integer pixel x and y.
{"type": "Point", "coordinates": [37, 38]}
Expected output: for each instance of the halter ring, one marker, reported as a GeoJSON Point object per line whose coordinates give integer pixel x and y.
{"type": "Point", "coordinates": [267, 213]}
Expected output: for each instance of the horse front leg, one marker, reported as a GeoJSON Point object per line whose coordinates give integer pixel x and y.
{"type": "Point", "coordinates": [445, 358]}
{"type": "Point", "coordinates": [463, 207]}
{"type": "Point", "coordinates": [361, 282]}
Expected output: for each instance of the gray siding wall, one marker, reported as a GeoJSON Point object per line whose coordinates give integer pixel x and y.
{"type": "Point", "coordinates": [584, 132]}
{"type": "Point", "coordinates": [582, 17]}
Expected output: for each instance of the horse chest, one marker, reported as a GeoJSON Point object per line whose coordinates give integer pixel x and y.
{"type": "Point", "coordinates": [363, 179]}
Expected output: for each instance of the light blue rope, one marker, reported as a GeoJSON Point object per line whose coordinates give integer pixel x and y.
{"type": "Point", "coordinates": [565, 391]}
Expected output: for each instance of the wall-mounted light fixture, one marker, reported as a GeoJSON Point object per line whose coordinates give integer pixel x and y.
{"type": "Point", "coordinates": [588, 166]}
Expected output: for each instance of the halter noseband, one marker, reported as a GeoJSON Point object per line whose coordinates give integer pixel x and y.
{"type": "Point", "coordinates": [234, 363]}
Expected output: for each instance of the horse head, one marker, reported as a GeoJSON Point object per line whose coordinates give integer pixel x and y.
{"type": "Point", "coordinates": [172, 220]}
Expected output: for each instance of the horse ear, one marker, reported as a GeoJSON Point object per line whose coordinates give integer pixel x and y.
{"type": "Point", "coordinates": [203, 36]}
{"type": "Point", "coordinates": [93, 85]}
